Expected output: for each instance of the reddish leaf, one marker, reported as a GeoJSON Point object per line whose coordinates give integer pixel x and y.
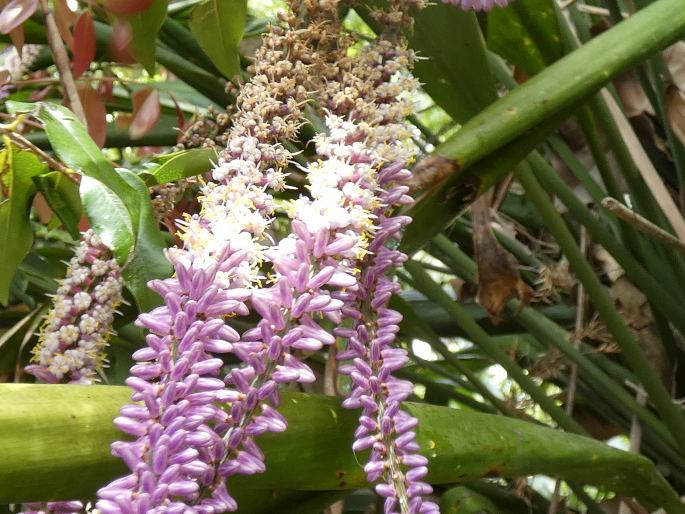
{"type": "Point", "coordinates": [65, 18]}
{"type": "Point", "coordinates": [127, 6]}
{"type": "Point", "coordinates": [42, 209]}
{"type": "Point", "coordinates": [106, 90]}
{"type": "Point", "coordinates": [120, 43]}
{"type": "Point", "coordinates": [96, 114]}
{"type": "Point", "coordinates": [146, 112]}
{"type": "Point", "coordinates": [180, 116]}
{"type": "Point", "coordinates": [84, 44]}
{"type": "Point", "coordinates": [15, 13]}
{"type": "Point", "coordinates": [41, 94]}
{"type": "Point", "coordinates": [17, 37]}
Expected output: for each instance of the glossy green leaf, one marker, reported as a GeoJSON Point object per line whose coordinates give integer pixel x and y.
{"type": "Point", "coordinates": [16, 237]}
{"type": "Point", "coordinates": [54, 444]}
{"type": "Point", "coordinates": [111, 204]}
{"type": "Point", "coordinates": [144, 27]}
{"type": "Point", "coordinates": [526, 34]}
{"type": "Point", "coordinates": [63, 197]}
{"type": "Point", "coordinates": [147, 261]}
{"type": "Point", "coordinates": [176, 166]}
{"type": "Point", "coordinates": [455, 71]}
{"type": "Point", "coordinates": [218, 26]}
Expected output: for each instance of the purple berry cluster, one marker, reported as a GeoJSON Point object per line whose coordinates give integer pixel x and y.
{"type": "Point", "coordinates": [77, 328]}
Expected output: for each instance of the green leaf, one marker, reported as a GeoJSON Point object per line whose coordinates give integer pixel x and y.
{"type": "Point", "coordinates": [455, 71]}
{"type": "Point", "coordinates": [145, 27]}
{"type": "Point", "coordinates": [111, 204]}
{"type": "Point", "coordinates": [218, 26]}
{"type": "Point", "coordinates": [55, 444]}
{"type": "Point", "coordinates": [16, 237]}
{"type": "Point", "coordinates": [178, 165]}
{"type": "Point", "coordinates": [526, 34]}
{"type": "Point", "coordinates": [63, 197]}
{"type": "Point", "coordinates": [147, 261]}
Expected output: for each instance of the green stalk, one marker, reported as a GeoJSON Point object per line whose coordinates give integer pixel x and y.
{"type": "Point", "coordinates": [658, 295]}
{"type": "Point", "coordinates": [630, 349]}
{"type": "Point", "coordinates": [54, 444]}
{"type": "Point", "coordinates": [116, 138]}
{"type": "Point", "coordinates": [594, 141]}
{"type": "Point", "coordinates": [549, 332]}
{"type": "Point", "coordinates": [565, 82]}
{"type": "Point", "coordinates": [475, 333]}
{"type": "Point", "coordinates": [181, 40]}
{"type": "Point", "coordinates": [447, 390]}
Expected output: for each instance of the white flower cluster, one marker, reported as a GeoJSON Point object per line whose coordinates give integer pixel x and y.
{"type": "Point", "coordinates": [77, 329]}
{"type": "Point", "coordinates": [236, 211]}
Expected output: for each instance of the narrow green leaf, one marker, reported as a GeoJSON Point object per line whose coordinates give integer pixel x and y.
{"type": "Point", "coordinates": [63, 197]}
{"type": "Point", "coordinates": [111, 204]}
{"type": "Point", "coordinates": [147, 261]}
{"type": "Point", "coordinates": [526, 34]}
{"type": "Point", "coordinates": [16, 236]}
{"type": "Point", "coordinates": [54, 444]}
{"type": "Point", "coordinates": [455, 72]}
{"type": "Point", "coordinates": [218, 26]}
{"type": "Point", "coordinates": [187, 163]}
{"type": "Point", "coordinates": [145, 27]}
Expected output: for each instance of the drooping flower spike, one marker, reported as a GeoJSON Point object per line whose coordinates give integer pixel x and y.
{"type": "Point", "coordinates": [374, 131]}
{"type": "Point", "coordinates": [77, 328]}
{"type": "Point", "coordinates": [186, 445]}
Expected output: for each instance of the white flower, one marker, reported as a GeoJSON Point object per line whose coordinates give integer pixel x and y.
{"type": "Point", "coordinates": [82, 300]}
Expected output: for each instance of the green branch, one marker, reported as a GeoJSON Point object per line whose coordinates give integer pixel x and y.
{"type": "Point", "coordinates": [54, 444]}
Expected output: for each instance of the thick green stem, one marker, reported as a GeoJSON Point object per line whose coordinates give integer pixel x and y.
{"type": "Point", "coordinates": [54, 444]}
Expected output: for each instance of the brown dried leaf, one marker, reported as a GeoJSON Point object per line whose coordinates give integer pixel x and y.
{"type": "Point", "coordinates": [675, 60]}
{"type": "Point", "coordinates": [146, 112]}
{"type": "Point", "coordinates": [17, 36]}
{"type": "Point", "coordinates": [675, 111]}
{"type": "Point", "coordinates": [498, 279]}
{"type": "Point", "coordinates": [65, 18]}
{"type": "Point", "coordinates": [633, 97]}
